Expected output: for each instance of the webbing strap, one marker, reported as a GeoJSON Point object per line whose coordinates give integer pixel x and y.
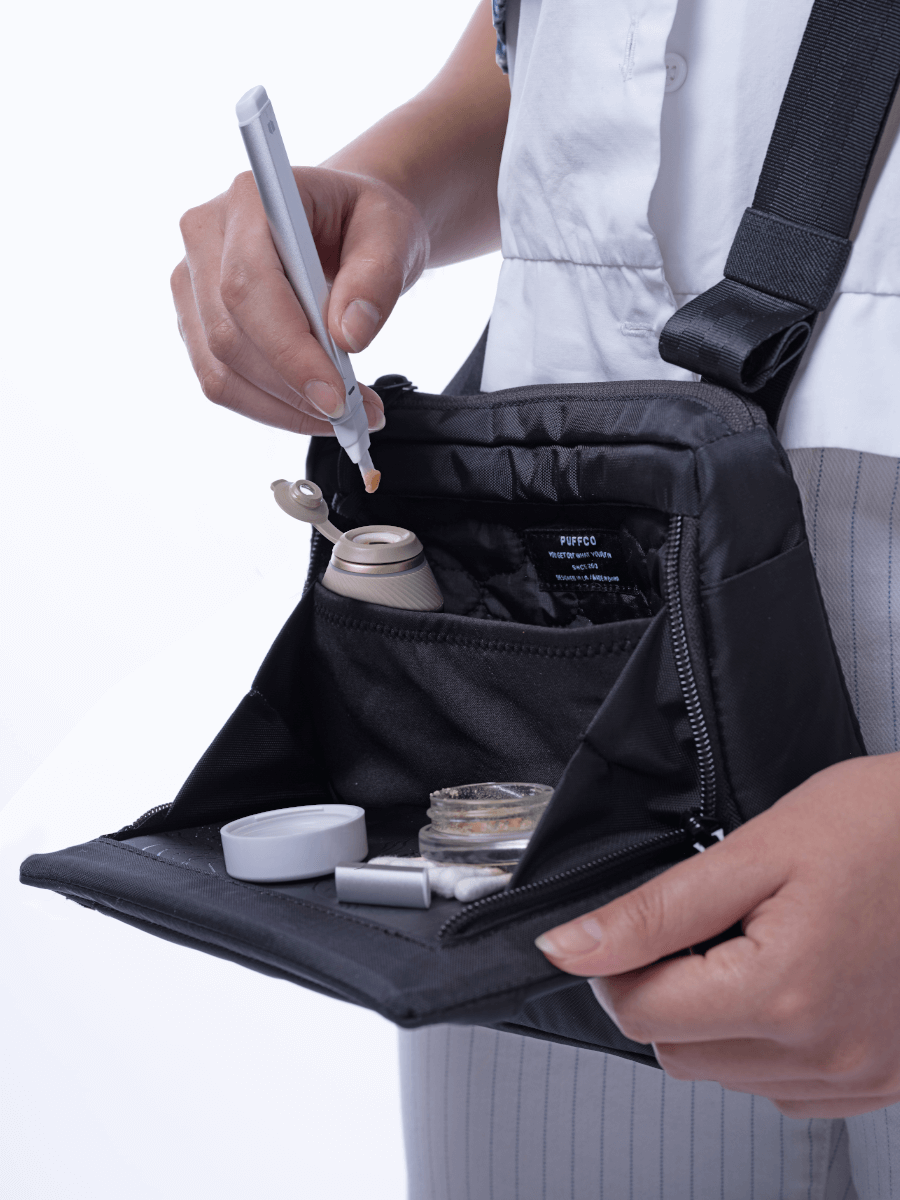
{"type": "Point", "coordinates": [792, 246]}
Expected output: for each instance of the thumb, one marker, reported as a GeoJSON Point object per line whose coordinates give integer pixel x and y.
{"type": "Point", "coordinates": [383, 252]}
{"type": "Point", "coordinates": [684, 906]}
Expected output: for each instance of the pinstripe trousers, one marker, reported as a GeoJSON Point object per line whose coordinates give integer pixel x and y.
{"type": "Point", "coordinates": [495, 1116]}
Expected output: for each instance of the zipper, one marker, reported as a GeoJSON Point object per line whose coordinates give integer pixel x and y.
{"type": "Point", "coordinates": [697, 830]}
{"type": "Point", "coordinates": [563, 879]}
{"type": "Point", "coordinates": [740, 414]}
{"type": "Point", "coordinates": [699, 729]}
{"type": "Point", "coordinates": [142, 819]}
{"type": "Point", "coordinates": [312, 573]}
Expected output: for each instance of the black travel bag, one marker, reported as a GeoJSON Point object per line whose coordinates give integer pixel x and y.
{"type": "Point", "coordinates": [680, 691]}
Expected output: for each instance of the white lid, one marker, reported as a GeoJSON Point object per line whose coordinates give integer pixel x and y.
{"type": "Point", "coordinates": [294, 843]}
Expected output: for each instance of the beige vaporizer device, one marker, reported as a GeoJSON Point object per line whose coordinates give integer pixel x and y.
{"type": "Point", "coordinates": [381, 564]}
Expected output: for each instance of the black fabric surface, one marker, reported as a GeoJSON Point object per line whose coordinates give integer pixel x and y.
{"type": "Point", "coordinates": [837, 99]}
{"type": "Point", "coordinates": [790, 261]}
{"type": "Point", "coordinates": [431, 698]}
{"type": "Point", "coordinates": [489, 559]}
{"type": "Point", "coordinates": [467, 380]}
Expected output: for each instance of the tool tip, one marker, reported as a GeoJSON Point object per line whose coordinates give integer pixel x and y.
{"type": "Point", "coordinates": [372, 479]}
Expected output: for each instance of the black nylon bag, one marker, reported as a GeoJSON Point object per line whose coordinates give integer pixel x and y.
{"type": "Point", "coordinates": [705, 688]}
{"type": "Point", "coordinates": [681, 683]}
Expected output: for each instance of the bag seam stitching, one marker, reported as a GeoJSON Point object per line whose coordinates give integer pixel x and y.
{"type": "Point", "coordinates": [579, 651]}
{"type": "Point", "coordinates": [261, 889]}
{"type": "Point", "coordinates": [254, 691]}
{"type": "Point", "coordinates": [337, 986]}
{"type": "Point", "coordinates": [379, 928]}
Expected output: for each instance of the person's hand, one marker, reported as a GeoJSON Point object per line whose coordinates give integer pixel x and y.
{"type": "Point", "coordinates": [244, 329]}
{"type": "Point", "coordinates": [803, 1008]}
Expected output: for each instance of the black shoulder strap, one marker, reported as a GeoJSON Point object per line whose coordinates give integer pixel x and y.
{"type": "Point", "coordinates": [792, 246]}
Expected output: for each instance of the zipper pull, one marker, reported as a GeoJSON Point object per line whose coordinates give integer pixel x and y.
{"type": "Point", "coordinates": [700, 829]}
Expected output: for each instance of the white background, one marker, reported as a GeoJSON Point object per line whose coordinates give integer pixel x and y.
{"type": "Point", "coordinates": [146, 568]}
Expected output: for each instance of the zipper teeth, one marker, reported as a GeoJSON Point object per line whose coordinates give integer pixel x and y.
{"type": "Point", "coordinates": [699, 730]}
{"type": "Point", "coordinates": [151, 812]}
{"type": "Point", "coordinates": [311, 573]}
{"type": "Point", "coordinates": [513, 894]}
{"type": "Point", "coordinates": [702, 742]}
{"type": "Point", "coordinates": [735, 411]}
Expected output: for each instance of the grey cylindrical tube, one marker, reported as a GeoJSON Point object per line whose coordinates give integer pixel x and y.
{"type": "Point", "coordinates": [395, 886]}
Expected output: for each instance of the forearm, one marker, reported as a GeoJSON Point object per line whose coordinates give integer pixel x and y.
{"type": "Point", "coordinates": [441, 150]}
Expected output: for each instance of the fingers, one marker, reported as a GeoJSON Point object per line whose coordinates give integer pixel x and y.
{"type": "Point", "coordinates": [688, 904]}
{"type": "Point", "coordinates": [359, 323]}
{"type": "Point", "coordinates": [802, 1006]}
{"type": "Point", "coordinates": [230, 389]}
{"type": "Point", "coordinates": [833, 1109]}
{"type": "Point", "coordinates": [686, 999]}
{"type": "Point", "coordinates": [770, 1067]}
{"type": "Point", "coordinates": [374, 406]}
{"type": "Point", "coordinates": [226, 341]}
{"type": "Point", "coordinates": [246, 333]}
{"type": "Point", "coordinates": [736, 1066]}
{"type": "Point", "coordinates": [384, 250]}
{"type": "Point", "coordinates": [253, 320]}
{"type": "Point", "coordinates": [225, 386]}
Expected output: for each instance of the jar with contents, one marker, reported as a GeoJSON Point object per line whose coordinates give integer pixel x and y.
{"type": "Point", "coordinates": [487, 823]}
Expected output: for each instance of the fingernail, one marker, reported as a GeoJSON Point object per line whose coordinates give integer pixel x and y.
{"type": "Point", "coordinates": [359, 322]}
{"type": "Point", "coordinates": [327, 399]}
{"type": "Point", "coordinates": [377, 421]}
{"type": "Point", "coordinates": [597, 988]}
{"type": "Point", "coordinates": [567, 940]}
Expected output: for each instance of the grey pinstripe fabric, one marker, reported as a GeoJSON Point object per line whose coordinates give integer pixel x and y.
{"type": "Point", "coordinates": [492, 1116]}
{"type": "Point", "coordinates": [852, 509]}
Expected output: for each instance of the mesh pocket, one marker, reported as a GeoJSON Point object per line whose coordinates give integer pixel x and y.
{"type": "Point", "coordinates": [409, 702]}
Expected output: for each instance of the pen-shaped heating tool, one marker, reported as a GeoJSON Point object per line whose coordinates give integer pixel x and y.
{"type": "Point", "coordinates": [297, 251]}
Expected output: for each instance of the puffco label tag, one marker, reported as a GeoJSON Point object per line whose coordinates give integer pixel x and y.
{"type": "Point", "coordinates": [579, 560]}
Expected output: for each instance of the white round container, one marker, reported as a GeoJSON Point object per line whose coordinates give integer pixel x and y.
{"type": "Point", "coordinates": [294, 843]}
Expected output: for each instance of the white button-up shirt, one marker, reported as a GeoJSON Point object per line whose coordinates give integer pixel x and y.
{"type": "Point", "coordinates": [619, 199]}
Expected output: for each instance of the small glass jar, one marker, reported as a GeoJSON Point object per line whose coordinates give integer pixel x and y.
{"type": "Point", "coordinates": [487, 823]}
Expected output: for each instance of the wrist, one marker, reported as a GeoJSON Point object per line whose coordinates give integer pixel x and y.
{"type": "Point", "coordinates": [396, 154]}
{"type": "Point", "coordinates": [444, 165]}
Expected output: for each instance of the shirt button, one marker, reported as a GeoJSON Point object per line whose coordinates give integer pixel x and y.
{"type": "Point", "coordinates": [676, 72]}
